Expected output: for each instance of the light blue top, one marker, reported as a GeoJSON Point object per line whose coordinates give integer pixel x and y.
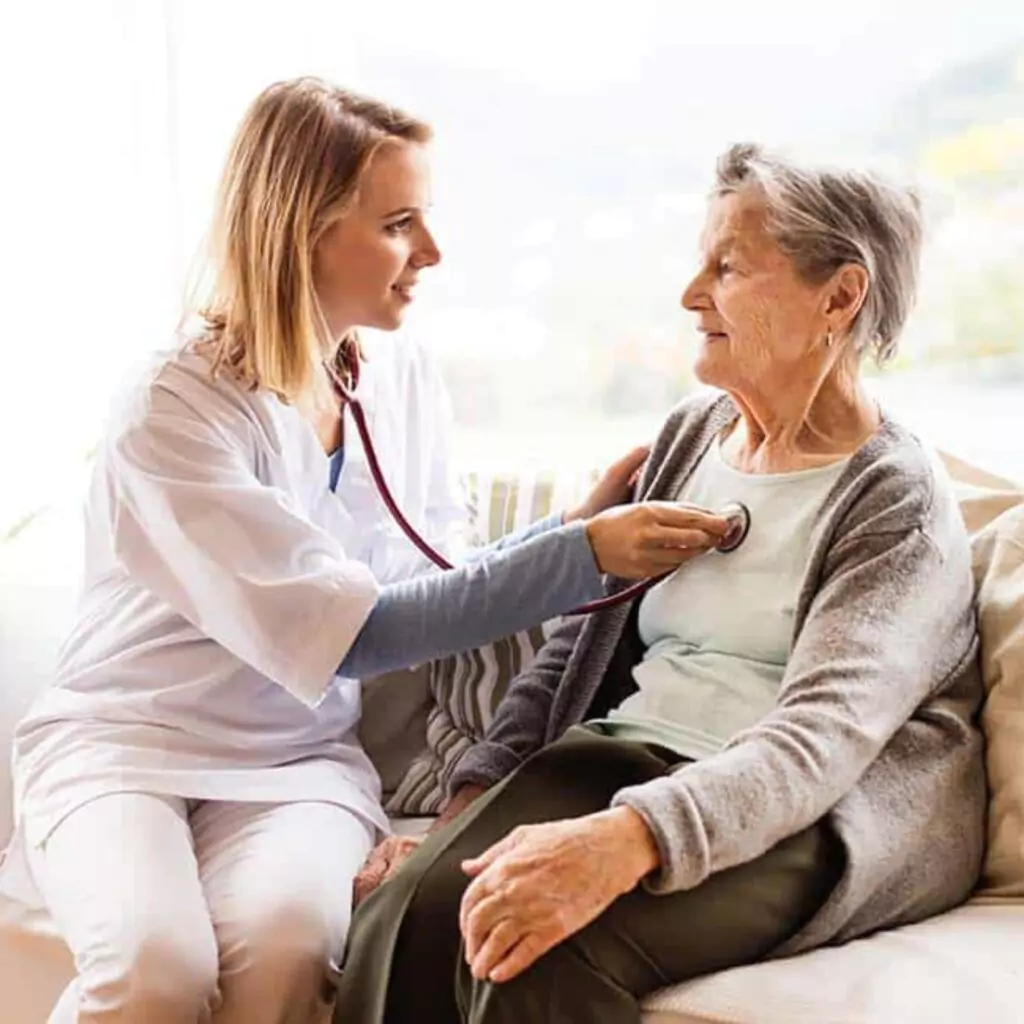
{"type": "Point", "coordinates": [718, 631]}
{"type": "Point", "coordinates": [337, 462]}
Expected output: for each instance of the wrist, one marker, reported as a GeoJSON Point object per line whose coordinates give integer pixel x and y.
{"type": "Point", "coordinates": [463, 797]}
{"type": "Point", "coordinates": [573, 514]}
{"type": "Point", "coordinates": [641, 848]}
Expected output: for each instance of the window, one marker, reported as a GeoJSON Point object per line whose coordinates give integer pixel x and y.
{"type": "Point", "coordinates": [574, 147]}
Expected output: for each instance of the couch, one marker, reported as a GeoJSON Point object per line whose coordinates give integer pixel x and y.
{"type": "Point", "coordinates": [963, 966]}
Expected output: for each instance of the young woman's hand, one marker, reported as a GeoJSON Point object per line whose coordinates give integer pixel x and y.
{"type": "Point", "coordinates": [394, 851]}
{"type": "Point", "coordinates": [652, 537]}
{"type": "Point", "coordinates": [382, 863]}
{"type": "Point", "coordinates": [614, 488]}
{"type": "Point", "coordinates": [459, 802]}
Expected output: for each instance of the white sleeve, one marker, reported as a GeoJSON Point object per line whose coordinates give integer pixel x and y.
{"type": "Point", "coordinates": [191, 522]}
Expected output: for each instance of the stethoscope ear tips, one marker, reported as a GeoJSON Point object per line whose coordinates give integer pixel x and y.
{"type": "Point", "coordinates": [738, 516]}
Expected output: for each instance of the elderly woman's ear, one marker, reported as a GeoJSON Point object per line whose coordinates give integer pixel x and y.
{"type": "Point", "coordinates": [847, 289]}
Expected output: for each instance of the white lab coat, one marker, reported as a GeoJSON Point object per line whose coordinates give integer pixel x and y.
{"type": "Point", "coordinates": [223, 584]}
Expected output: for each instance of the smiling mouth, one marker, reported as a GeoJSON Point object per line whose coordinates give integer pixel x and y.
{"type": "Point", "coordinates": [403, 291]}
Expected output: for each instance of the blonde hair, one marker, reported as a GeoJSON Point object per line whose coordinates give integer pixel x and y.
{"type": "Point", "coordinates": [293, 169]}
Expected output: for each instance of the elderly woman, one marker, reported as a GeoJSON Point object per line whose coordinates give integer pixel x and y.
{"type": "Point", "coordinates": [774, 748]}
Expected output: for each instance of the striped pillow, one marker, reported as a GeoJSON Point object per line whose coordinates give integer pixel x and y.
{"type": "Point", "coordinates": [466, 688]}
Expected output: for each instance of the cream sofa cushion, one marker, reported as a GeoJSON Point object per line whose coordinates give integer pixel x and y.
{"type": "Point", "coordinates": [963, 967]}
{"type": "Point", "coordinates": [993, 509]}
{"type": "Point", "coordinates": [999, 571]}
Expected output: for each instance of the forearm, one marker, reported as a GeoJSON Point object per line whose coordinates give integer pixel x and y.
{"type": "Point", "coordinates": [512, 589]}
{"type": "Point", "coordinates": [517, 537]}
{"type": "Point", "coordinates": [394, 558]}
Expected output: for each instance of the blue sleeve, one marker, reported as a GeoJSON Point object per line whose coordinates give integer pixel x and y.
{"type": "Point", "coordinates": [510, 540]}
{"type": "Point", "coordinates": [509, 590]}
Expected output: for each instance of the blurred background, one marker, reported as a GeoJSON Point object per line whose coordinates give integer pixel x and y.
{"type": "Point", "coordinates": [574, 147]}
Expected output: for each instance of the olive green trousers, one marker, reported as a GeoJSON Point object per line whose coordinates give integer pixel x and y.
{"type": "Point", "coordinates": [405, 963]}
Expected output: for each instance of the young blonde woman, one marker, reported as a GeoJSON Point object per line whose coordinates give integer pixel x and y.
{"type": "Point", "coordinates": [192, 801]}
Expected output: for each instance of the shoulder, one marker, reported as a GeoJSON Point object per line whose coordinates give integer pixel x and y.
{"type": "Point", "coordinates": [685, 432]}
{"type": "Point", "coordinates": [691, 420]}
{"type": "Point", "coordinates": [693, 415]}
{"type": "Point", "coordinates": [175, 393]}
{"type": "Point", "coordinates": [896, 484]}
{"type": "Point", "coordinates": [697, 408]}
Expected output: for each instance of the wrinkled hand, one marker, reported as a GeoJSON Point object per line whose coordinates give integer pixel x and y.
{"type": "Point", "coordinates": [543, 883]}
{"type": "Point", "coordinates": [382, 863]}
{"type": "Point", "coordinates": [614, 488]}
{"type": "Point", "coordinates": [652, 537]}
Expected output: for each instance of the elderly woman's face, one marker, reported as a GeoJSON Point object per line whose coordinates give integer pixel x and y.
{"type": "Point", "coordinates": [762, 324]}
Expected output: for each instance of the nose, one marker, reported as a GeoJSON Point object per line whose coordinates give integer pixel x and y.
{"type": "Point", "coordinates": [695, 295]}
{"type": "Point", "coordinates": [427, 252]}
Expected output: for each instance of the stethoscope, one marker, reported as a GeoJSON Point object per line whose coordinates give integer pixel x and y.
{"type": "Point", "coordinates": [737, 514]}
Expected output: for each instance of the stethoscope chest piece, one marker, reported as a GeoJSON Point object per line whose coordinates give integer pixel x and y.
{"type": "Point", "coordinates": [738, 516]}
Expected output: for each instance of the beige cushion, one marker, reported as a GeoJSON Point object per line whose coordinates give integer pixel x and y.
{"type": "Point", "coordinates": [999, 570]}
{"type": "Point", "coordinates": [963, 967]}
{"type": "Point", "coordinates": [993, 509]}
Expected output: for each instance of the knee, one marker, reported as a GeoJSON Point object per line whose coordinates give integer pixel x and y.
{"type": "Point", "coordinates": [161, 975]}
{"type": "Point", "coordinates": [282, 953]}
{"type": "Point", "coordinates": [296, 935]}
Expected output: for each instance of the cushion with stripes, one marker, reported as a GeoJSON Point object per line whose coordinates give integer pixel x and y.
{"type": "Point", "coordinates": [465, 688]}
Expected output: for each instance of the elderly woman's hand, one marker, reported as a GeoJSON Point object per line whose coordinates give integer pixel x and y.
{"type": "Point", "coordinates": [543, 883]}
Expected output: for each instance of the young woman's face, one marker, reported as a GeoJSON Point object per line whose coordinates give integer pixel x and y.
{"type": "Point", "coordinates": [366, 265]}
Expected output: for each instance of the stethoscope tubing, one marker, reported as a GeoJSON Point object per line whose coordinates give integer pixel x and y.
{"type": "Point", "coordinates": [631, 592]}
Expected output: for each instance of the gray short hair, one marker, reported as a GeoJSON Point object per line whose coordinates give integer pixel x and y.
{"type": "Point", "coordinates": [823, 218]}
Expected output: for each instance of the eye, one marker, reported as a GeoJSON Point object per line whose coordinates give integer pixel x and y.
{"type": "Point", "coordinates": [723, 267]}
{"type": "Point", "coordinates": [399, 227]}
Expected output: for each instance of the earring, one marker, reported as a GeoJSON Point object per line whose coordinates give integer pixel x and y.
{"type": "Point", "coordinates": [829, 339]}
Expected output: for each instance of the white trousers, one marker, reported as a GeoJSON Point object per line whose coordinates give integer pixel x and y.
{"type": "Point", "coordinates": [184, 912]}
